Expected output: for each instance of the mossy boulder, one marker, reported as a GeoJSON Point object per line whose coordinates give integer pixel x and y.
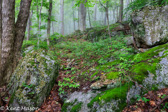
{"type": "Point", "coordinates": [150, 26]}
{"type": "Point", "coordinates": [34, 78]}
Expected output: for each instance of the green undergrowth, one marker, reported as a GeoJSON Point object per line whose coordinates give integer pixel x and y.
{"type": "Point", "coordinates": [94, 34]}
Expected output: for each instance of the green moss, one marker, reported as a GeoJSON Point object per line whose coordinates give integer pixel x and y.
{"type": "Point", "coordinates": [112, 75]}
{"type": "Point", "coordinates": [147, 61]}
{"type": "Point", "coordinates": [140, 70]}
{"type": "Point", "coordinates": [76, 107]}
{"type": "Point", "coordinates": [111, 94]}
{"type": "Point", "coordinates": [65, 106]}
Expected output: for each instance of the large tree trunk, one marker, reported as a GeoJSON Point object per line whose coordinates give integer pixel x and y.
{"type": "Point", "coordinates": [121, 11]}
{"type": "Point", "coordinates": [0, 38]}
{"type": "Point", "coordinates": [12, 36]}
{"type": "Point", "coordinates": [49, 22]}
{"type": "Point", "coordinates": [82, 16]}
{"type": "Point", "coordinates": [20, 28]}
{"type": "Point", "coordinates": [8, 28]}
{"type": "Point", "coordinates": [62, 16]}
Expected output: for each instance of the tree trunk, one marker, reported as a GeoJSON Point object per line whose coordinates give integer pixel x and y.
{"type": "Point", "coordinates": [62, 16]}
{"type": "Point", "coordinates": [12, 36]}
{"type": "Point", "coordinates": [105, 19]}
{"type": "Point", "coordinates": [82, 16]}
{"type": "Point", "coordinates": [8, 27]}
{"type": "Point", "coordinates": [121, 11]}
{"type": "Point", "coordinates": [107, 16]}
{"type": "Point", "coordinates": [73, 15]}
{"type": "Point", "coordinates": [78, 17]}
{"type": "Point", "coordinates": [114, 17]}
{"type": "Point", "coordinates": [0, 39]}
{"type": "Point", "coordinates": [29, 25]}
{"type": "Point", "coordinates": [20, 28]}
{"type": "Point", "coordinates": [53, 27]}
{"type": "Point", "coordinates": [37, 10]}
{"type": "Point", "coordinates": [95, 14]}
{"type": "Point", "coordinates": [49, 22]}
{"type": "Point", "coordinates": [117, 13]}
{"type": "Point", "coordinates": [39, 25]}
{"type": "Point", "coordinates": [89, 18]}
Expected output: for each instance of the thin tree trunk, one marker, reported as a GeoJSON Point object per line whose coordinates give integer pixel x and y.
{"type": "Point", "coordinates": [39, 25]}
{"type": "Point", "coordinates": [37, 10]}
{"type": "Point", "coordinates": [73, 15]}
{"type": "Point", "coordinates": [29, 25]}
{"type": "Point", "coordinates": [78, 17]}
{"type": "Point", "coordinates": [117, 13]}
{"type": "Point", "coordinates": [62, 16]}
{"type": "Point", "coordinates": [95, 14]}
{"type": "Point", "coordinates": [121, 11]}
{"type": "Point", "coordinates": [53, 27]}
{"type": "Point", "coordinates": [105, 18]}
{"type": "Point", "coordinates": [89, 18]}
{"type": "Point", "coordinates": [114, 17]}
{"type": "Point", "coordinates": [82, 16]}
{"type": "Point", "coordinates": [49, 22]}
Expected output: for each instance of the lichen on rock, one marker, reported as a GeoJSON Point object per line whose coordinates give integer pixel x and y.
{"type": "Point", "coordinates": [34, 77]}
{"type": "Point", "coordinates": [150, 26]}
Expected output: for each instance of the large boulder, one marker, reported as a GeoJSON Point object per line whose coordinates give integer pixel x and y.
{"type": "Point", "coordinates": [150, 26]}
{"type": "Point", "coordinates": [32, 80]}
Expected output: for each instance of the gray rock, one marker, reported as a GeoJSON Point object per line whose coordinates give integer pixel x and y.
{"type": "Point", "coordinates": [150, 26]}
{"type": "Point", "coordinates": [34, 77]}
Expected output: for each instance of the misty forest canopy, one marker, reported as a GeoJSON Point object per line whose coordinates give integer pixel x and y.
{"type": "Point", "coordinates": [84, 55]}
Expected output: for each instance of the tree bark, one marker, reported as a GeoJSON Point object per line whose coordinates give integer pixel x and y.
{"type": "Point", "coordinates": [20, 28]}
{"type": "Point", "coordinates": [62, 16]}
{"type": "Point", "coordinates": [8, 25]}
{"type": "Point", "coordinates": [82, 16]}
{"type": "Point", "coordinates": [121, 11]}
{"type": "Point", "coordinates": [12, 36]}
{"type": "Point", "coordinates": [49, 22]}
{"type": "Point", "coordinates": [0, 37]}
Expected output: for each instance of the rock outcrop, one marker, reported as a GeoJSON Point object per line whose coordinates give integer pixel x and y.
{"type": "Point", "coordinates": [34, 78]}
{"type": "Point", "coordinates": [150, 26]}
{"type": "Point", "coordinates": [149, 71]}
